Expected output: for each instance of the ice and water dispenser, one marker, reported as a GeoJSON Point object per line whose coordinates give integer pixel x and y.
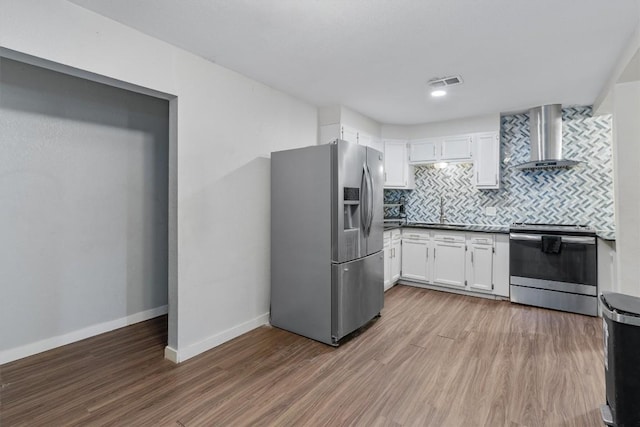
{"type": "Point", "coordinates": [352, 221]}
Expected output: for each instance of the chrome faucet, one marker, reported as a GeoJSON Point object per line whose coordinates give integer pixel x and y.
{"type": "Point", "coordinates": [442, 216]}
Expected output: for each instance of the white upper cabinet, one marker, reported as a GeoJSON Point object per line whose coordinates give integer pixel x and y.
{"type": "Point", "coordinates": [349, 134]}
{"type": "Point", "coordinates": [370, 141]}
{"type": "Point", "coordinates": [486, 162]}
{"type": "Point", "coordinates": [423, 150]}
{"type": "Point", "coordinates": [397, 173]}
{"type": "Point", "coordinates": [451, 148]}
{"type": "Point", "coordinates": [456, 148]}
{"type": "Point", "coordinates": [329, 133]}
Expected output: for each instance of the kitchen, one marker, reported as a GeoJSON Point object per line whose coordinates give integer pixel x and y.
{"type": "Point", "coordinates": [226, 125]}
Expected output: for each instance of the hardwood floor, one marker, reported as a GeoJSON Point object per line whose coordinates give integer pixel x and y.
{"type": "Point", "coordinates": [433, 358]}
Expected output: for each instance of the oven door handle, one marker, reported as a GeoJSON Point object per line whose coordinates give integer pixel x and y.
{"type": "Point", "coordinates": [529, 237]}
{"type": "Point", "coordinates": [582, 240]}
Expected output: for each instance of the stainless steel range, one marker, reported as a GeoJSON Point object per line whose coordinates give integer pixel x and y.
{"type": "Point", "coordinates": [554, 266]}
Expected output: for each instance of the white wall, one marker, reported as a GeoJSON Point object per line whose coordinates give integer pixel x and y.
{"type": "Point", "coordinates": [485, 123]}
{"type": "Point", "coordinates": [226, 127]}
{"type": "Point", "coordinates": [626, 149]}
{"type": "Point", "coordinates": [358, 121]}
{"type": "Point", "coordinates": [83, 207]}
{"type": "Point", "coordinates": [620, 97]}
{"type": "Point", "coordinates": [339, 114]}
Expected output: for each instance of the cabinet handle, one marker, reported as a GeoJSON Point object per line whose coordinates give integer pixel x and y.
{"type": "Point", "coordinates": [434, 151]}
{"type": "Point", "coordinates": [385, 177]}
{"type": "Point", "coordinates": [496, 177]}
{"type": "Point", "coordinates": [434, 253]}
{"type": "Point", "coordinates": [427, 253]}
{"type": "Point", "coordinates": [471, 257]}
{"type": "Point", "coordinates": [477, 177]}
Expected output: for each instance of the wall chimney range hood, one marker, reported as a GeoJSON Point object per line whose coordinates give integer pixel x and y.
{"type": "Point", "coordinates": [545, 125]}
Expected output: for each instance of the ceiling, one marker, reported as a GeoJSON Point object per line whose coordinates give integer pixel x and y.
{"type": "Point", "coordinates": [376, 56]}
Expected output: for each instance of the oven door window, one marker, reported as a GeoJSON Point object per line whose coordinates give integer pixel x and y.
{"type": "Point", "coordinates": [575, 262]}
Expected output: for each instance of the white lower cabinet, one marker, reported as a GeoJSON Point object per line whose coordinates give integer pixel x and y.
{"type": "Point", "coordinates": [386, 250]}
{"type": "Point", "coordinates": [501, 265]}
{"type": "Point", "coordinates": [470, 261]}
{"type": "Point", "coordinates": [480, 273]}
{"type": "Point", "coordinates": [415, 255]}
{"type": "Point", "coordinates": [392, 250]}
{"type": "Point", "coordinates": [449, 260]}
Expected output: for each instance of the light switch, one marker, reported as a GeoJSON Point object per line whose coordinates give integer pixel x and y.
{"type": "Point", "coordinates": [491, 211]}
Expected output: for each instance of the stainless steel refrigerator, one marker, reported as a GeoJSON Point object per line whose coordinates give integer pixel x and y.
{"type": "Point", "coordinates": [326, 239]}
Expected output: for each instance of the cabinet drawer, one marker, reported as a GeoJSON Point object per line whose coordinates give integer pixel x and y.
{"type": "Point", "coordinates": [457, 238]}
{"type": "Point", "coordinates": [488, 240]}
{"type": "Point", "coordinates": [413, 235]}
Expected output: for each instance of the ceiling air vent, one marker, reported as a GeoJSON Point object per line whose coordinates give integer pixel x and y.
{"type": "Point", "coordinates": [445, 81]}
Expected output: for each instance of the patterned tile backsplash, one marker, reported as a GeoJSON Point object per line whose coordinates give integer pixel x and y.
{"type": "Point", "coordinates": [579, 195]}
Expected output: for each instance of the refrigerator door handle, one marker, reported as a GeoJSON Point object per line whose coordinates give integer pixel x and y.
{"type": "Point", "coordinates": [364, 203]}
{"type": "Point", "coordinates": [369, 199]}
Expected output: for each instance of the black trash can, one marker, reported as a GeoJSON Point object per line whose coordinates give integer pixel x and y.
{"type": "Point", "coordinates": [621, 334]}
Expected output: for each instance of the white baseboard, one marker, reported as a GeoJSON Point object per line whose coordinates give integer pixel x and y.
{"type": "Point", "coordinates": [16, 353]}
{"type": "Point", "coordinates": [450, 290]}
{"type": "Point", "coordinates": [180, 355]}
{"type": "Point", "coordinates": [171, 354]}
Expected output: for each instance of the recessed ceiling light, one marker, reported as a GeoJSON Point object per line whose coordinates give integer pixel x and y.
{"type": "Point", "coordinates": [438, 93]}
{"type": "Point", "coordinates": [440, 165]}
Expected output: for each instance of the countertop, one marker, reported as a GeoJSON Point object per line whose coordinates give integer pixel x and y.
{"type": "Point", "coordinates": [608, 235]}
{"type": "Point", "coordinates": [452, 227]}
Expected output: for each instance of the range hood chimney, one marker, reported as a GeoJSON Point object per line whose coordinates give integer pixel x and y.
{"type": "Point", "coordinates": [545, 125]}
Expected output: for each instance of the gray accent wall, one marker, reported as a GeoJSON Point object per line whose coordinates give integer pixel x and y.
{"type": "Point", "coordinates": [582, 194]}
{"type": "Point", "coordinates": [83, 203]}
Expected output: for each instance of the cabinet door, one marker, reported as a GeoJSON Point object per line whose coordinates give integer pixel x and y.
{"type": "Point", "coordinates": [424, 150]}
{"type": "Point", "coordinates": [386, 250]}
{"type": "Point", "coordinates": [456, 148]}
{"type": "Point", "coordinates": [387, 266]}
{"type": "Point", "coordinates": [487, 161]}
{"type": "Point", "coordinates": [501, 265]}
{"type": "Point", "coordinates": [329, 133]}
{"type": "Point", "coordinates": [395, 164]}
{"type": "Point", "coordinates": [414, 259]}
{"type": "Point", "coordinates": [396, 261]}
{"type": "Point", "coordinates": [449, 264]}
{"type": "Point", "coordinates": [349, 134]}
{"type": "Point", "coordinates": [481, 274]}
{"type": "Point", "coordinates": [370, 141]}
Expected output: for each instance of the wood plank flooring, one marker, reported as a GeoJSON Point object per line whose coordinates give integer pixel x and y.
{"type": "Point", "coordinates": [433, 359]}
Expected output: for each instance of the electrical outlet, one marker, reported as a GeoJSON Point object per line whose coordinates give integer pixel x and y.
{"type": "Point", "coordinates": [491, 211]}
